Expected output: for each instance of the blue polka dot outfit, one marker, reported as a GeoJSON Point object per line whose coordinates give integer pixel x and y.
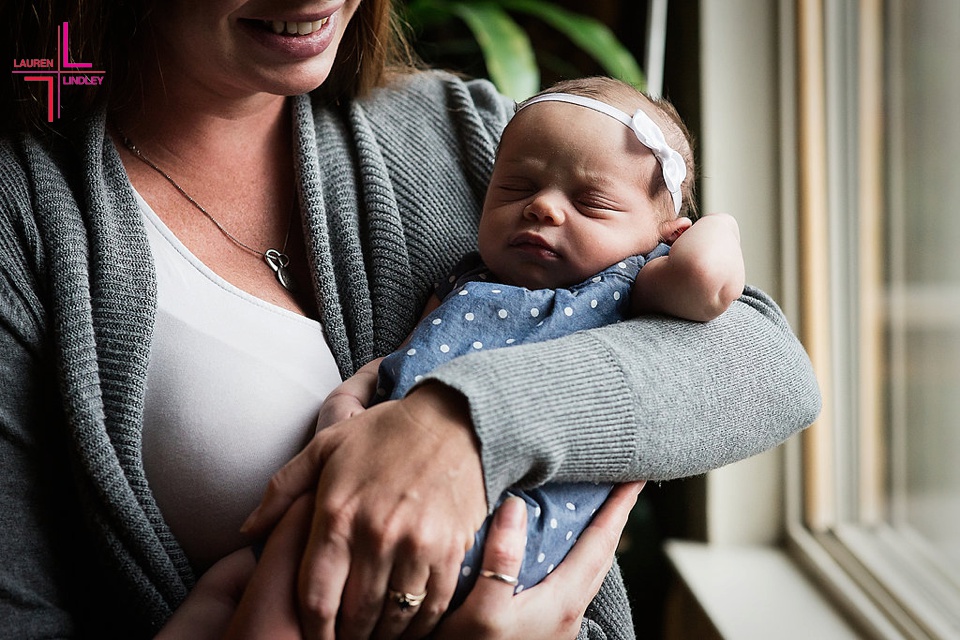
{"type": "Point", "coordinates": [477, 314]}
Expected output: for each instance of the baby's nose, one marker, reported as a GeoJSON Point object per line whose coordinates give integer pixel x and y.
{"type": "Point", "coordinates": [546, 210]}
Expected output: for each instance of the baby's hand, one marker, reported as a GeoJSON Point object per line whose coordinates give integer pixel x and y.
{"type": "Point", "coordinates": [351, 397]}
{"type": "Point", "coordinates": [337, 407]}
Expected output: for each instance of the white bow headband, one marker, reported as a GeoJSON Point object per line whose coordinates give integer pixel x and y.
{"type": "Point", "coordinates": [647, 132]}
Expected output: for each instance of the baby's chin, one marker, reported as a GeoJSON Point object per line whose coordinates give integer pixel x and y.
{"type": "Point", "coordinates": [534, 283]}
{"type": "Point", "coordinates": [554, 279]}
{"type": "Point", "coordinates": [535, 274]}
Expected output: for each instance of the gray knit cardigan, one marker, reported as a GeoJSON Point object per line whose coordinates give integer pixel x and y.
{"type": "Point", "coordinates": [390, 189]}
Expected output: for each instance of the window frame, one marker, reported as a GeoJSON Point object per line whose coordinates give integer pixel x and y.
{"type": "Point", "coordinates": [835, 58]}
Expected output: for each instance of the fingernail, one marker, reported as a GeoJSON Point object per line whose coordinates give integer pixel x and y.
{"type": "Point", "coordinates": [512, 514]}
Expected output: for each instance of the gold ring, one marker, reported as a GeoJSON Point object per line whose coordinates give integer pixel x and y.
{"type": "Point", "coordinates": [406, 600]}
{"type": "Point", "coordinates": [500, 577]}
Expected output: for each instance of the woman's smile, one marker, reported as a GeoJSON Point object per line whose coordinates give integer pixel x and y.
{"type": "Point", "coordinates": [295, 28]}
{"type": "Point", "coordinates": [294, 36]}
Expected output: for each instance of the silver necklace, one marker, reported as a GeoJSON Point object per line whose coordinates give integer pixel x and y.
{"type": "Point", "coordinates": [277, 260]}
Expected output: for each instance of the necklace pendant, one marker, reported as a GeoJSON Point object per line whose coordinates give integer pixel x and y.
{"type": "Point", "coordinates": [280, 263]}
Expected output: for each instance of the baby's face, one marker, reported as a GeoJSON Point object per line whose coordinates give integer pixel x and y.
{"type": "Point", "coordinates": [568, 197]}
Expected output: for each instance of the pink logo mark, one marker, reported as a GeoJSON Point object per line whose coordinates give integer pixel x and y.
{"type": "Point", "coordinates": [49, 81]}
{"type": "Point", "coordinates": [58, 72]}
{"type": "Point", "coordinates": [65, 52]}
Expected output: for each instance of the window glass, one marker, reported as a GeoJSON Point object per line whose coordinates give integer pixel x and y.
{"type": "Point", "coordinates": [924, 274]}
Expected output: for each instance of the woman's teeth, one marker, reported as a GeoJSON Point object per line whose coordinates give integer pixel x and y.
{"type": "Point", "coordinates": [296, 28]}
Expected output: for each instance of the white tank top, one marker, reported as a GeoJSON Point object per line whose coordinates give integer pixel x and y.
{"type": "Point", "coordinates": [234, 385]}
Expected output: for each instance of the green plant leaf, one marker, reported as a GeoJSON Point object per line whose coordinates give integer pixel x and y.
{"type": "Point", "coordinates": [591, 35]}
{"type": "Point", "coordinates": [506, 48]}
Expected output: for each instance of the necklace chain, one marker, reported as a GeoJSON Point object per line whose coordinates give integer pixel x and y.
{"type": "Point", "coordinates": [277, 260]}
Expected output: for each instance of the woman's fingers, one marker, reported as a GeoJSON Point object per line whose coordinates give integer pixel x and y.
{"type": "Point", "coordinates": [364, 595]}
{"type": "Point", "coordinates": [295, 478]}
{"type": "Point", "coordinates": [490, 610]}
{"type": "Point", "coordinates": [439, 591]}
{"type": "Point", "coordinates": [268, 608]}
{"type": "Point", "coordinates": [401, 492]}
{"type": "Point", "coordinates": [588, 562]}
{"type": "Point", "coordinates": [407, 594]}
{"type": "Point", "coordinates": [211, 605]}
{"type": "Point", "coordinates": [417, 595]}
{"type": "Point", "coordinates": [555, 607]}
{"type": "Point", "coordinates": [502, 554]}
{"type": "Point", "coordinates": [324, 572]}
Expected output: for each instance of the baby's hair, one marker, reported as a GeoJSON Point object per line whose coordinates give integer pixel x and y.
{"type": "Point", "coordinates": [628, 99]}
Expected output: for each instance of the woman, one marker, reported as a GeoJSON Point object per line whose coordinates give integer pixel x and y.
{"type": "Point", "coordinates": [189, 268]}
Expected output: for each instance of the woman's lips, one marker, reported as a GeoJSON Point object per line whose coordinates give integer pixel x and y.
{"type": "Point", "coordinates": [297, 38]}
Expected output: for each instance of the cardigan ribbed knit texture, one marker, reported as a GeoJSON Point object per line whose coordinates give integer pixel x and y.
{"type": "Point", "coordinates": [390, 189]}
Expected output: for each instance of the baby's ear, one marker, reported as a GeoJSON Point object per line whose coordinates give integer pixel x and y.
{"type": "Point", "coordinates": [670, 230]}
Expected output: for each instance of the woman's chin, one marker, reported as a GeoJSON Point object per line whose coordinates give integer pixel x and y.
{"type": "Point", "coordinates": [297, 83]}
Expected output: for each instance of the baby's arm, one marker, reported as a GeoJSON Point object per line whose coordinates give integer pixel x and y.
{"type": "Point", "coordinates": [350, 397]}
{"type": "Point", "coordinates": [700, 278]}
{"type": "Point", "coordinates": [354, 394]}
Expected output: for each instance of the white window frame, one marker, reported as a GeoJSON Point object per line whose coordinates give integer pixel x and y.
{"type": "Point", "coordinates": [833, 94]}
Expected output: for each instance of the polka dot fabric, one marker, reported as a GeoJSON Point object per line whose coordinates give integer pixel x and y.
{"type": "Point", "coordinates": [478, 313]}
{"type": "Point", "coordinates": [557, 513]}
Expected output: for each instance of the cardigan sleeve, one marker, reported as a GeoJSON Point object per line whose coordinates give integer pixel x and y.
{"type": "Point", "coordinates": [652, 398]}
{"type": "Point", "coordinates": [34, 533]}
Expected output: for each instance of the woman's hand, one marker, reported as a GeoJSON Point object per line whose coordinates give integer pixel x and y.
{"type": "Point", "coordinates": [209, 607]}
{"type": "Point", "coordinates": [268, 609]}
{"type": "Point", "coordinates": [555, 607]}
{"type": "Point", "coordinates": [398, 499]}
{"type": "Point", "coordinates": [241, 597]}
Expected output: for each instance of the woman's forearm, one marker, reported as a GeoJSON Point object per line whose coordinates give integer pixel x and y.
{"type": "Point", "coordinates": [652, 398]}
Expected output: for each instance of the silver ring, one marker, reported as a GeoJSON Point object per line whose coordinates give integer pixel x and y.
{"type": "Point", "coordinates": [406, 600]}
{"type": "Point", "coordinates": [499, 577]}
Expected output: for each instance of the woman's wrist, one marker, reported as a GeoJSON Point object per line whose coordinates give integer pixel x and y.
{"type": "Point", "coordinates": [445, 412]}
{"type": "Point", "coordinates": [435, 403]}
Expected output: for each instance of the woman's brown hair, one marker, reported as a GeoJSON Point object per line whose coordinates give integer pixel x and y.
{"type": "Point", "coordinates": [373, 44]}
{"type": "Point", "coordinates": [114, 36]}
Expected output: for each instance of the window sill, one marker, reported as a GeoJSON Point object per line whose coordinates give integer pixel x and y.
{"type": "Point", "coordinates": [747, 592]}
